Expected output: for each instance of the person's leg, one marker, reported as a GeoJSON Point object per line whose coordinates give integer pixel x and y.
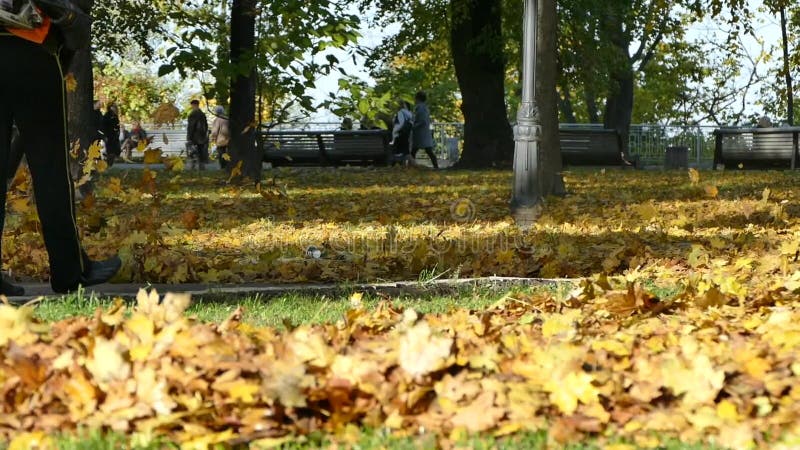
{"type": "Point", "coordinates": [15, 157]}
{"type": "Point", "coordinates": [42, 122]}
{"type": "Point", "coordinates": [203, 156]}
{"type": "Point", "coordinates": [128, 149]}
{"type": "Point", "coordinates": [5, 153]}
{"type": "Point", "coordinates": [432, 156]}
{"type": "Point", "coordinates": [221, 152]}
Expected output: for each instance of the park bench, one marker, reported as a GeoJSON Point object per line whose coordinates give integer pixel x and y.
{"type": "Point", "coordinates": [756, 147]}
{"type": "Point", "coordinates": [321, 148]}
{"type": "Point", "coordinates": [593, 147]}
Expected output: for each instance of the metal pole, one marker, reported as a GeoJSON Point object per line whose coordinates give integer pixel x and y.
{"type": "Point", "coordinates": [527, 199]}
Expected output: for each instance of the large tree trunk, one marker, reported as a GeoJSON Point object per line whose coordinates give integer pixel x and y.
{"type": "Point", "coordinates": [547, 99]}
{"type": "Point", "coordinates": [80, 101]}
{"type": "Point", "coordinates": [243, 90]}
{"type": "Point", "coordinates": [619, 105]}
{"type": "Point", "coordinates": [787, 68]}
{"type": "Point", "coordinates": [222, 84]}
{"type": "Point", "coordinates": [565, 104]}
{"type": "Point", "coordinates": [476, 44]}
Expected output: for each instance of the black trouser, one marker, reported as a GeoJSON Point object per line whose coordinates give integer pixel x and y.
{"type": "Point", "coordinates": [221, 152]}
{"type": "Point", "coordinates": [15, 158]}
{"type": "Point", "coordinates": [32, 95]}
{"type": "Point", "coordinates": [431, 155]}
{"type": "Point", "coordinates": [202, 152]}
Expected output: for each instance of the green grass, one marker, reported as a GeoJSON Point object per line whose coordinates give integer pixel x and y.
{"type": "Point", "coordinates": [296, 309]}
{"type": "Point", "coordinates": [370, 440]}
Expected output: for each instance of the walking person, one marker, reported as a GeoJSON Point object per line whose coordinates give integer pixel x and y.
{"type": "Point", "coordinates": [221, 135]}
{"type": "Point", "coordinates": [401, 133]}
{"type": "Point", "coordinates": [111, 129]}
{"type": "Point", "coordinates": [97, 125]}
{"type": "Point", "coordinates": [197, 136]}
{"type": "Point", "coordinates": [422, 136]}
{"type": "Point", "coordinates": [32, 96]}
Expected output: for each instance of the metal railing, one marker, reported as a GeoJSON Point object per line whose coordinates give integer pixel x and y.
{"type": "Point", "coordinates": [646, 140]}
{"type": "Point", "coordinates": [650, 141]}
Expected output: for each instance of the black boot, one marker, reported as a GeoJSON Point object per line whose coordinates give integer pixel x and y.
{"type": "Point", "coordinates": [98, 272]}
{"type": "Point", "coordinates": [10, 290]}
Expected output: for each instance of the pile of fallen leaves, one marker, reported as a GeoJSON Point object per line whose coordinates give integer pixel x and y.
{"type": "Point", "coordinates": [727, 229]}
{"type": "Point", "coordinates": [603, 362]}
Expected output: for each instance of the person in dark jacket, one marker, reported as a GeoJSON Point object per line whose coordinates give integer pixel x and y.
{"type": "Point", "coordinates": [97, 121]}
{"type": "Point", "coordinates": [422, 136]}
{"type": "Point", "coordinates": [197, 135]}
{"type": "Point", "coordinates": [32, 96]}
{"type": "Point", "coordinates": [111, 130]}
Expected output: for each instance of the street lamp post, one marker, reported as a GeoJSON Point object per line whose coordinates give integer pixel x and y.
{"type": "Point", "coordinates": [527, 199]}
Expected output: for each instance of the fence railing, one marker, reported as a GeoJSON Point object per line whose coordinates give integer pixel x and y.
{"type": "Point", "coordinates": [646, 140]}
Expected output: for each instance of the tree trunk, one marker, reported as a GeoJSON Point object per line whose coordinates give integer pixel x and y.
{"type": "Point", "coordinates": [787, 69]}
{"type": "Point", "coordinates": [80, 102]}
{"type": "Point", "coordinates": [476, 43]}
{"type": "Point", "coordinates": [619, 105]}
{"type": "Point", "coordinates": [551, 181]}
{"type": "Point", "coordinates": [222, 84]}
{"type": "Point", "coordinates": [243, 90]}
{"type": "Point", "coordinates": [565, 104]}
{"type": "Point", "coordinates": [591, 106]}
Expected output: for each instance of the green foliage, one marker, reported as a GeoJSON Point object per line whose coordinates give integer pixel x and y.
{"type": "Point", "coordinates": [357, 100]}
{"type": "Point", "coordinates": [122, 24]}
{"type": "Point", "coordinates": [133, 88]}
{"type": "Point", "coordinates": [294, 39]}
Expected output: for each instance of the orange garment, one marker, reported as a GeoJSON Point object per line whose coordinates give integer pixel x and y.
{"type": "Point", "coordinates": [37, 35]}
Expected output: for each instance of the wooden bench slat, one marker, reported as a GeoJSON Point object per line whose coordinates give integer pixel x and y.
{"type": "Point", "coordinates": [593, 147]}
{"type": "Point", "coordinates": [754, 148]}
{"type": "Point", "coordinates": [323, 147]}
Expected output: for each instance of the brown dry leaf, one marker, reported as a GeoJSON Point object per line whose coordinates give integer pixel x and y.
{"type": "Point", "coordinates": [421, 352]}
{"type": "Point", "coordinates": [70, 82]}
{"type": "Point", "coordinates": [481, 415]}
{"type": "Point", "coordinates": [711, 191]}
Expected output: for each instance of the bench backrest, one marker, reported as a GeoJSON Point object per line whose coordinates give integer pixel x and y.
{"type": "Point", "coordinates": [288, 147]}
{"type": "Point", "coordinates": [590, 147]}
{"type": "Point", "coordinates": [358, 146]}
{"type": "Point", "coordinates": [319, 147]}
{"type": "Point", "coordinates": [756, 146]}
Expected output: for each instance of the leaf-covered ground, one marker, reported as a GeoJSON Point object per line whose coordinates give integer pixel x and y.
{"type": "Point", "coordinates": [606, 361]}
{"type": "Point", "coordinates": [734, 231]}
{"type": "Point", "coordinates": [715, 360]}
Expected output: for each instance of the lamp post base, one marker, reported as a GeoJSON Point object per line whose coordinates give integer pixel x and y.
{"type": "Point", "coordinates": [526, 216]}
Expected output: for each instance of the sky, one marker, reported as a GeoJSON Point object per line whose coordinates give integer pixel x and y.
{"type": "Point", "coordinates": [766, 28]}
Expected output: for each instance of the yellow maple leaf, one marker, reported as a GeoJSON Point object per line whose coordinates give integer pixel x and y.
{"type": "Point", "coordinates": [236, 171]}
{"type": "Point", "coordinates": [70, 82]}
{"type": "Point", "coordinates": [575, 387]}
{"type": "Point", "coordinates": [38, 440]}
{"type": "Point", "coordinates": [94, 151]}
{"type": "Point", "coordinates": [107, 362]}
{"type": "Point", "coordinates": [726, 410]}
{"type": "Point", "coordinates": [711, 191]}
{"type": "Point", "coordinates": [562, 326]}
{"type": "Point", "coordinates": [694, 176]}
